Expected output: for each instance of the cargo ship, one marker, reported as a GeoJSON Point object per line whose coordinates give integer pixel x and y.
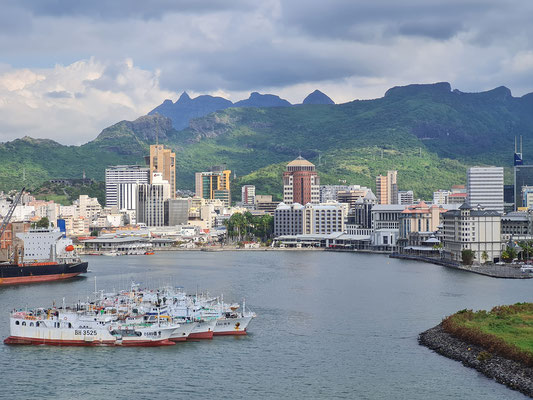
{"type": "Point", "coordinates": [46, 256]}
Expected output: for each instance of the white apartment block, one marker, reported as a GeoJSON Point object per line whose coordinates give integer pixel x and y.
{"type": "Point", "coordinates": [406, 197]}
{"type": "Point", "coordinates": [440, 197]}
{"type": "Point", "coordinates": [485, 188]}
{"type": "Point", "coordinates": [296, 219]}
{"type": "Point", "coordinates": [88, 207]}
{"type": "Point", "coordinates": [123, 174]}
{"type": "Point", "coordinates": [248, 195]}
{"type": "Point", "coordinates": [472, 228]}
{"type": "Point", "coordinates": [325, 218]}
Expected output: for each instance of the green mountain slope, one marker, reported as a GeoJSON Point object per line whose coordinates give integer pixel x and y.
{"type": "Point", "coordinates": [428, 132]}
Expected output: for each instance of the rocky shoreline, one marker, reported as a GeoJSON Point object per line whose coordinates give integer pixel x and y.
{"type": "Point", "coordinates": [510, 373]}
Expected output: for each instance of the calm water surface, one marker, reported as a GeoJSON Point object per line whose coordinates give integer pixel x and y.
{"type": "Point", "coordinates": [329, 326]}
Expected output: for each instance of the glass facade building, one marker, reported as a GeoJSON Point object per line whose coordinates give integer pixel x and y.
{"type": "Point", "coordinates": [523, 176]}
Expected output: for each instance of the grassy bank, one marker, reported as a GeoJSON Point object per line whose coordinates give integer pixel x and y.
{"type": "Point", "coordinates": [505, 330]}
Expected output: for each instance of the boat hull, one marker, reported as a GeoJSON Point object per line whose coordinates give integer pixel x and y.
{"type": "Point", "coordinates": [14, 274]}
{"type": "Point", "coordinates": [232, 326]}
{"type": "Point", "coordinates": [203, 330]}
{"type": "Point", "coordinates": [16, 340]}
{"type": "Point", "coordinates": [183, 332]}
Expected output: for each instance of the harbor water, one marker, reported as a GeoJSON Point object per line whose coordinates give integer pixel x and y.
{"type": "Point", "coordinates": [329, 325]}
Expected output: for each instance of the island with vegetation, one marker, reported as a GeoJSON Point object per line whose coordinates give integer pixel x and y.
{"type": "Point", "coordinates": [497, 343]}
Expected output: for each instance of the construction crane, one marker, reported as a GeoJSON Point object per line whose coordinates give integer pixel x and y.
{"type": "Point", "coordinates": [9, 214]}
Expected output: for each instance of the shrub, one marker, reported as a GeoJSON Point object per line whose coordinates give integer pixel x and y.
{"type": "Point", "coordinates": [455, 326]}
{"type": "Point", "coordinates": [484, 356]}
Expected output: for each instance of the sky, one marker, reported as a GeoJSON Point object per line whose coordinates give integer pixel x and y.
{"type": "Point", "coordinates": [69, 69]}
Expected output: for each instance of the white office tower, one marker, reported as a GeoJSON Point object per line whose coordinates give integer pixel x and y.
{"type": "Point", "coordinates": [248, 195]}
{"type": "Point", "coordinates": [123, 174]}
{"type": "Point", "coordinates": [484, 186]}
{"type": "Point", "coordinates": [151, 201]}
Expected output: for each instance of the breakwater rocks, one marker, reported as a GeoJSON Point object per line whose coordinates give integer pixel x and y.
{"type": "Point", "coordinates": [510, 373]}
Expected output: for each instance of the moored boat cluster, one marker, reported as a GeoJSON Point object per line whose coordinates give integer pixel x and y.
{"type": "Point", "coordinates": [137, 317]}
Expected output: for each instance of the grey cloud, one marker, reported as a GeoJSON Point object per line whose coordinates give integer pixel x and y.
{"type": "Point", "coordinates": [59, 95]}
{"type": "Point", "coordinates": [264, 65]}
{"type": "Point", "coordinates": [243, 46]}
{"type": "Point", "coordinates": [432, 29]}
{"type": "Point", "coordinates": [379, 20]}
{"type": "Point", "coordinates": [122, 9]}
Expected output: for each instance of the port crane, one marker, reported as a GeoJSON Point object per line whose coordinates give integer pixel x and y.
{"type": "Point", "coordinates": [9, 214]}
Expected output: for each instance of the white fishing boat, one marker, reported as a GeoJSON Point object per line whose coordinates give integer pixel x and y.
{"type": "Point", "coordinates": [63, 327]}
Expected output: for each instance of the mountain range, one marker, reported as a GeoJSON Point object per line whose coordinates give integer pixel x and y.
{"type": "Point", "coordinates": [185, 108]}
{"type": "Point", "coordinates": [429, 133]}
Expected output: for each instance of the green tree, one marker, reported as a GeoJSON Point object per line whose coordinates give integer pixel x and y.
{"type": "Point", "coordinates": [468, 256]}
{"type": "Point", "coordinates": [509, 254]}
{"type": "Point", "coordinates": [249, 227]}
{"type": "Point", "coordinates": [484, 256]}
{"type": "Point", "coordinates": [43, 223]}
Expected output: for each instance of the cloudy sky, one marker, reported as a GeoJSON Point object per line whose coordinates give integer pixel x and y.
{"type": "Point", "coordinates": [70, 68]}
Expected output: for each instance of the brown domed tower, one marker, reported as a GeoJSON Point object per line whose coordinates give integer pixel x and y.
{"type": "Point", "coordinates": [301, 183]}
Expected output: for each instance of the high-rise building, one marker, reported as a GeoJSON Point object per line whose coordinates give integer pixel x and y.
{"type": "Point", "coordinates": [406, 197]}
{"type": "Point", "coordinates": [387, 188]}
{"type": "Point", "coordinates": [485, 188]}
{"type": "Point", "coordinates": [127, 196]}
{"type": "Point", "coordinates": [214, 184]}
{"type": "Point", "coordinates": [527, 196]}
{"type": "Point", "coordinates": [122, 174]}
{"type": "Point", "coordinates": [361, 212]}
{"type": "Point", "coordinates": [248, 195]}
{"type": "Point", "coordinates": [523, 176]}
{"type": "Point", "coordinates": [177, 211]}
{"type": "Point", "coordinates": [151, 201]}
{"type": "Point", "coordinates": [301, 183]}
{"type": "Point", "coordinates": [163, 161]}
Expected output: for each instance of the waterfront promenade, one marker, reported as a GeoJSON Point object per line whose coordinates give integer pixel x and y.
{"type": "Point", "coordinates": [507, 271]}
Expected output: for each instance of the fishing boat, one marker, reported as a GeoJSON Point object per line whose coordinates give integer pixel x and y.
{"type": "Point", "coordinates": [63, 327]}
